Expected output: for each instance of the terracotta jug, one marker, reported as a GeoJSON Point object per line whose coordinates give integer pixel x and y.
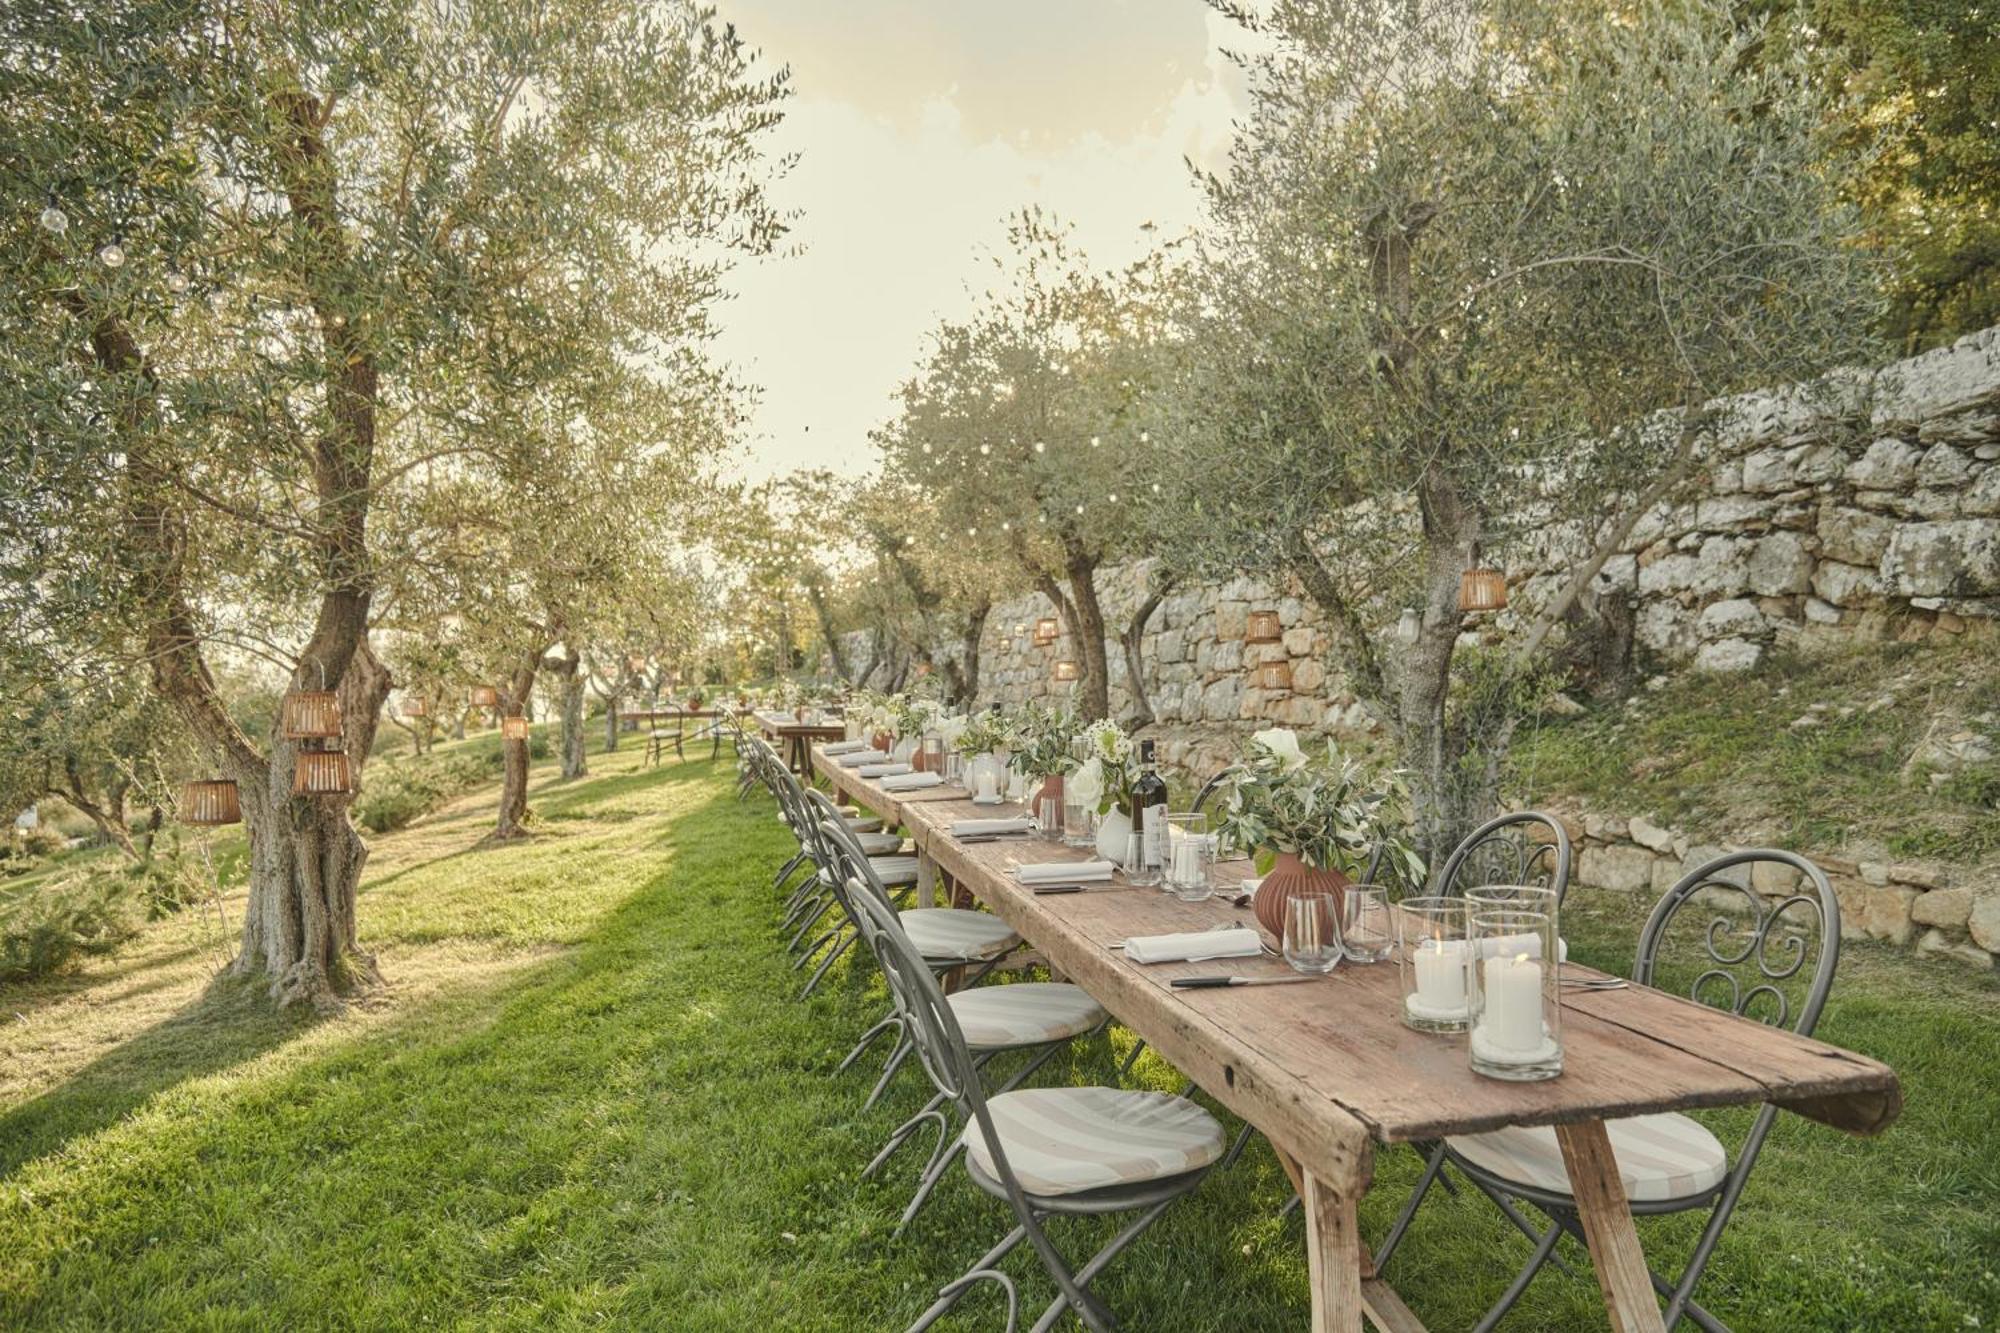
{"type": "Point", "coordinates": [1289, 876]}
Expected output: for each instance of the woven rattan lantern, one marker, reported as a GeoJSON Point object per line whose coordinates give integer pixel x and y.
{"type": "Point", "coordinates": [321, 773]}
{"type": "Point", "coordinates": [485, 696]}
{"type": "Point", "coordinates": [513, 728]}
{"type": "Point", "coordinates": [210, 802]}
{"type": "Point", "coordinates": [416, 708]}
{"type": "Point", "coordinates": [1021, 630]}
{"type": "Point", "coordinates": [310, 715]}
{"type": "Point", "coordinates": [1046, 630]}
{"type": "Point", "coordinates": [1275, 675]}
{"type": "Point", "coordinates": [1264, 627]}
{"type": "Point", "coordinates": [1066, 670]}
{"type": "Point", "coordinates": [1482, 589]}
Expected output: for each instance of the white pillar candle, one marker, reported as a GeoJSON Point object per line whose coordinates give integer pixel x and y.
{"type": "Point", "coordinates": [989, 787]}
{"type": "Point", "coordinates": [1512, 1020]}
{"type": "Point", "coordinates": [1440, 968]}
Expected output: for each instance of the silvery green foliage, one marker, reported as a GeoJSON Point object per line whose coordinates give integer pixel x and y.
{"type": "Point", "coordinates": [1320, 805]}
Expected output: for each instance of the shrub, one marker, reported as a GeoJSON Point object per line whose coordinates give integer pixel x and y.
{"type": "Point", "coordinates": [62, 922]}
{"type": "Point", "coordinates": [398, 793]}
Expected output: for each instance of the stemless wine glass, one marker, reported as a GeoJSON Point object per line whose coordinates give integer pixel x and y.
{"type": "Point", "coordinates": [1190, 857]}
{"type": "Point", "coordinates": [1079, 823]}
{"type": "Point", "coordinates": [1367, 935]}
{"type": "Point", "coordinates": [1049, 818]}
{"type": "Point", "coordinates": [1312, 932]}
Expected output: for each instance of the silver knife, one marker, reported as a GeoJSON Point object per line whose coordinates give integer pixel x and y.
{"type": "Point", "coordinates": [1208, 983]}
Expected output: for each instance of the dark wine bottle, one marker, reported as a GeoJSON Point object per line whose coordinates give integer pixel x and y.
{"type": "Point", "coordinates": [1149, 817]}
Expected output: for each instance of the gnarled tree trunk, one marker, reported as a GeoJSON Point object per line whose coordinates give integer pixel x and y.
{"type": "Point", "coordinates": [569, 676]}
{"type": "Point", "coordinates": [512, 821]}
{"type": "Point", "coordinates": [1134, 641]}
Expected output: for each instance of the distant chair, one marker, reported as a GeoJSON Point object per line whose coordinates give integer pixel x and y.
{"type": "Point", "coordinates": [1747, 954]}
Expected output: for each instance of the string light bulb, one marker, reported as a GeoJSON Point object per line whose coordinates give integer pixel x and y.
{"type": "Point", "coordinates": [111, 255]}
{"type": "Point", "coordinates": [54, 221]}
{"type": "Point", "coordinates": [1041, 446]}
{"type": "Point", "coordinates": [1093, 441]}
{"type": "Point", "coordinates": [177, 281]}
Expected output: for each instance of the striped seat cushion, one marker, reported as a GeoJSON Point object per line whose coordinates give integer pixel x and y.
{"type": "Point", "coordinates": [957, 932]}
{"type": "Point", "coordinates": [879, 844]}
{"type": "Point", "coordinates": [995, 1017]}
{"type": "Point", "coordinates": [1659, 1156]}
{"type": "Point", "coordinates": [1069, 1140]}
{"type": "Point", "coordinates": [894, 871]}
{"type": "Point", "coordinates": [862, 823]}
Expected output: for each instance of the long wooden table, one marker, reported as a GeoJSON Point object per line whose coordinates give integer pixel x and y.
{"type": "Point", "coordinates": [797, 738]}
{"type": "Point", "coordinates": [1328, 1070]}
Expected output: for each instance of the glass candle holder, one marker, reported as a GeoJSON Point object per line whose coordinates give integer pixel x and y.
{"type": "Point", "coordinates": [1079, 823]}
{"type": "Point", "coordinates": [1516, 996]}
{"type": "Point", "coordinates": [1190, 860]}
{"type": "Point", "coordinates": [1435, 955]}
{"type": "Point", "coordinates": [1017, 785]}
{"type": "Point", "coordinates": [986, 779]}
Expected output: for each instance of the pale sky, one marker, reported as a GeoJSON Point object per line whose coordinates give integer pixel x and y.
{"type": "Point", "coordinates": [919, 125]}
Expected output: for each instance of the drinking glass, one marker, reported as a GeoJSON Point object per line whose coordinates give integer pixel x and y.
{"type": "Point", "coordinates": [1434, 954]}
{"type": "Point", "coordinates": [933, 755]}
{"type": "Point", "coordinates": [1367, 934]}
{"type": "Point", "coordinates": [1190, 857]}
{"type": "Point", "coordinates": [1079, 824]}
{"type": "Point", "coordinates": [1137, 871]}
{"type": "Point", "coordinates": [1312, 932]}
{"type": "Point", "coordinates": [1049, 818]}
{"type": "Point", "coordinates": [1516, 996]}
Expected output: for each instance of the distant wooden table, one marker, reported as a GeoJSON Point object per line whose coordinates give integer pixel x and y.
{"type": "Point", "coordinates": [1327, 1071]}
{"type": "Point", "coordinates": [798, 738]}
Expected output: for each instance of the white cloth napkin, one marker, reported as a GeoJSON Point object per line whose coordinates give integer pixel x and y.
{"type": "Point", "coordinates": [908, 781]}
{"type": "Point", "coordinates": [1064, 872]}
{"type": "Point", "coordinates": [1234, 942]}
{"type": "Point", "coordinates": [845, 747]}
{"type": "Point", "coordinates": [860, 757]}
{"type": "Point", "coordinates": [963, 828]}
{"type": "Point", "coordinates": [884, 770]}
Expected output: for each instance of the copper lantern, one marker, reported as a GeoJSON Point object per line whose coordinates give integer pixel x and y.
{"type": "Point", "coordinates": [485, 696]}
{"type": "Point", "coordinates": [1264, 627]}
{"type": "Point", "coordinates": [1275, 675]}
{"type": "Point", "coordinates": [513, 728]}
{"type": "Point", "coordinates": [1482, 589]}
{"type": "Point", "coordinates": [321, 773]}
{"type": "Point", "coordinates": [1066, 670]}
{"type": "Point", "coordinates": [1046, 630]}
{"type": "Point", "coordinates": [211, 801]}
{"type": "Point", "coordinates": [310, 715]}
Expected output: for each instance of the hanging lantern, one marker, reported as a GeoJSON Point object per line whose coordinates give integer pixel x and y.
{"type": "Point", "coordinates": [321, 773]}
{"type": "Point", "coordinates": [1046, 630]}
{"type": "Point", "coordinates": [1066, 670]}
{"type": "Point", "coordinates": [210, 802]}
{"type": "Point", "coordinates": [1482, 589]}
{"type": "Point", "coordinates": [310, 715]}
{"type": "Point", "coordinates": [1021, 630]}
{"type": "Point", "coordinates": [415, 708]}
{"type": "Point", "coordinates": [1275, 675]}
{"type": "Point", "coordinates": [1264, 627]}
{"type": "Point", "coordinates": [485, 696]}
{"type": "Point", "coordinates": [1006, 645]}
{"type": "Point", "coordinates": [635, 664]}
{"type": "Point", "coordinates": [513, 728]}
{"type": "Point", "coordinates": [1410, 626]}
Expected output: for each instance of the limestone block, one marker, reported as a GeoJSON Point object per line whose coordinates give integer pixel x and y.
{"type": "Point", "coordinates": [1723, 566]}
{"type": "Point", "coordinates": [1960, 558]}
{"type": "Point", "coordinates": [1299, 641]}
{"type": "Point", "coordinates": [1729, 513]}
{"type": "Point", "coordinates": [1728, 655]}
{"type": "Point", "coordinates": [1847, 585]}
{"type": "Point", "coordinates": [1766, 471]}
{"type": "Point", "coordinates": [1620, 867]}
{"type": "Point", "coordinates": [1735, 616]}
{"type": "Point", "coordinates": [1232, 621]}
{"type": "Point", "coordinates": [1950, 908]}
{"type": "Point", "coordinates": [1942, 467]}
{"type": "Point", "coordinates": [1937, 944]}
{"type": "Point", "coordinates": [1871, 912]}
{"type": "Point", "coordinates": [1779, 564]}
{"type": "Point", "coordinates": [1308, 676]}
{"type": "Point", "coordinates": [1888, 465]}
{"type": "Point", "coordinates": [1650, 835]}
{"type": "Point", "coordinates": [1774, 879]}
{"type": "Point", "coordinates": [1853, 535]}
{"type": "Point", "coordinates": [1983, 496]}
{"type": "Point", "coordinates": [1816, 464]}
{"type": "Point", "coordinates": [1822, 613]}
{"type": "Point", "coordinates": [1984, 921]}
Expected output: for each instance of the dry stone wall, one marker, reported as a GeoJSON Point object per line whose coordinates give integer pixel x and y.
{"type": "Point", "coordinates": [1866, 509]}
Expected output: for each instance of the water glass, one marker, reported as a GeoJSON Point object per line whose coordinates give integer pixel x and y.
{"type": "Point", "coordinates": [932, 760]}
{"type": "Point", "coordinates": [1312, 932]}
{"type": "Point", "coordinates": [1049, 818]}
{"type": "Point", "coordinates": [1367, 934]}
{"type": "Point", "coordinates": [1138, 869]}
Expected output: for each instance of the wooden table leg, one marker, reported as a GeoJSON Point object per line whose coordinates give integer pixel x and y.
{"type": "Point", "coordinates": [1607, 1225]}
{"type": "Point", "coordinates": [929, 884]}
{"type": "Point", "coordinates": [1333, 1258]}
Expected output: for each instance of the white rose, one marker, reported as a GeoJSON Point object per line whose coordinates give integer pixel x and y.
{"type": "Point", "coordinates": [1086, 785]}
{"type": "Point", "coordinates": [1284, 743]}
{"type": "Point", "coordinates": [951, 728]}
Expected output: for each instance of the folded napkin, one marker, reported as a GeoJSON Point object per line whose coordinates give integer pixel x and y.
{"type": "Point", "coordinates": [884, 770]}
{"type": "Point", "coordinates": [845, 747]}
{"type": "Point", "coordinates": [907, 781]}
{"type": "Point", "coordinates": [1234, 942]}
{"type": "Point", "coordinates": [963, 828]}
{"type": "Point", "coordinates": [1064, 872]}
{"type": "Point", "coordinates": [860, 757]}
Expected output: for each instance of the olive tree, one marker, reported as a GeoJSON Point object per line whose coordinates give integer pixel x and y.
{"type": "Point", "coordinates": [263, 261]}
{"type": "Point", "coordinates": [1477, 273]}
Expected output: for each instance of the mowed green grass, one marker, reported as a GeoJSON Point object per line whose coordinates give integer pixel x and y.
{"type": "Point", "coordinates": [587, 1098]}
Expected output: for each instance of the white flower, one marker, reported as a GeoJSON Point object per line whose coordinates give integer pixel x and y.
{"type": "Point", "coordinates": [951, 728]}
{"type": "Point", "coordinates": [1085, 786]}
{"type": "Point", "coordinates": [1109, 742]}
{"type": "Point", "coordinates": [1283, 743]}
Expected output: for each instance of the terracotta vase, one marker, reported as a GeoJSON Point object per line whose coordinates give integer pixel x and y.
{"type": "Point", "coordinates": [1051, 789]}
{"type": "Point", "coordinates": [881, 740]}
{"type": "Point", "coordinates": [1289, 876]}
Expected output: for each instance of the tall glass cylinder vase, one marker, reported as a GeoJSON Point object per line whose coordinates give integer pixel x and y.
{"type": "Point", "coordinates": [1516, 995]}
{"type": "Point", "coordinates": [1436, 957]}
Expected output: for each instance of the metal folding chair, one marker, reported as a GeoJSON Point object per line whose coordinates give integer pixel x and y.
{"type": "Point", "coordinates": [1736, 950]}
{"type": "Point", "coordinates": [1087, 1170]}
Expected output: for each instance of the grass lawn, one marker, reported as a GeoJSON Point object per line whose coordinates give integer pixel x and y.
{"type": "Point", "coordinates": [586, 1098]}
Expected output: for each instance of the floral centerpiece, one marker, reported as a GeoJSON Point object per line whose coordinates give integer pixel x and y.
{"type": "Point", "coordinates": [1043, 741]}
{"type": "Point", "coordinates": [1103, 782]}
{"type": "Point", "coordinates": [1315, 819]}
{"type": "Point", "coordinates": [983, 733]}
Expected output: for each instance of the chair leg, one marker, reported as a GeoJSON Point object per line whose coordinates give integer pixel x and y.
{"type": "Point", "coordinates": [896, 1058]}
{"type": "Point", "coordinates": [930, 1115]}
{"type": "Point", "coordinates": [893, 1023]}
{"type": "Point", "coordinates": [1138, 1049]}
{"type": "Point", "coordinates": [1236, 1148]}
{"type": "Point", "coordinates": [1433, 1165]}
{"type": "Point", "coordinates": [1076, 1294]}
{"type": "Point", "coordinates": [933, 1173]}
{"type": "Point", "coordinates": [1688, 1308]}
{"type": "Point", "coordinates": [1544, 1248]}
{"type": "Point", "coordinates": [819, 973]}
{"type": "Point", "coordinates": [790, 867]}
{"type": "Point", "coordinates": [949, 1294]}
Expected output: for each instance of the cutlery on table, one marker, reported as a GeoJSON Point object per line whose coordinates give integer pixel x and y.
{"type": "Point", "coordinates": [1210, 983]}
{"type": "Point", "coordinates": [1042, 890]}
{"type": "Point", "coordinates": [971, 838]}
{"type": "Point", "coordinates": [1595, 983]}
